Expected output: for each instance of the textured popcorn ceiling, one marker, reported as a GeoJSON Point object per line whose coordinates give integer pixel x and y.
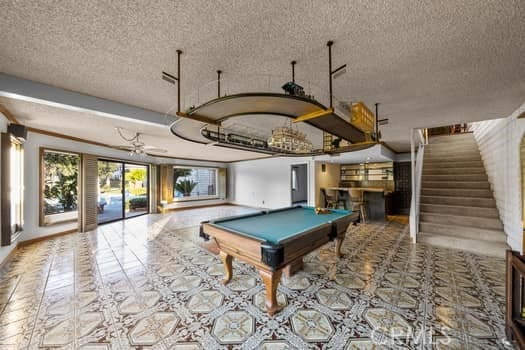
{"type": "Point", "coordinates": [428, 62]}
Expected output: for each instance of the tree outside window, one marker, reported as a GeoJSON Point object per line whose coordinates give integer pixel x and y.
{"type": "Point", "coordinates": [60, 182]}
{"type": "Point", "coordinates": [193, 183]}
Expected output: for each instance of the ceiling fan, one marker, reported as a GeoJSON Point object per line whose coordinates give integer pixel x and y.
{"type": "Point", "coordinates": [136, 146]}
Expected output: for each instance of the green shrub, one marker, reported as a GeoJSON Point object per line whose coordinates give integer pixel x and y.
{"type": "Point", "coordinates": [185, 187]}
{"type": "Point", "coordinates": [138, 203]}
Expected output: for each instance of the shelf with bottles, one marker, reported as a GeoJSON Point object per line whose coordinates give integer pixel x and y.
{"type": "Point", "coordinates": [367, 172]}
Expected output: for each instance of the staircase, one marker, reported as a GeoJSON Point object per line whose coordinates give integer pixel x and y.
{"type": "Point", "coordinates": [457, 208]}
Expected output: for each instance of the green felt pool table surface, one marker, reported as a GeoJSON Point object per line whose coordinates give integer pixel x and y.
{"type": "Point", "coordinates": [279, 225]}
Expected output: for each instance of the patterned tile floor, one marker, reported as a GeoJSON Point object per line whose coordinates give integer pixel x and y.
{"type": "Point", "coordinates": [146, 283]}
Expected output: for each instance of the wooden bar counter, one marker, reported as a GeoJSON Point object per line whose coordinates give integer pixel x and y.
{"type": "Point", "coordinates": [375, 198]}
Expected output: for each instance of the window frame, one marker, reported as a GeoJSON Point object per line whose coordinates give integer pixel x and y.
{"type": "Point", "coordinates": [197, 198]}
{"type": "Point", "coordinates": [42, 215]}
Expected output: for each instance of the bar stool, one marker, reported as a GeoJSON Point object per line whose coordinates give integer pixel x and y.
{"type": "Point", "coordinates": [342, 198]}
{"type": "Point", "coordinates": [358, 203]}
{"type": "Point", "coordinates": [329, 200]}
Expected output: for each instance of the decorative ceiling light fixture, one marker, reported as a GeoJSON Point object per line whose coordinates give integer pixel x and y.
{"type": "Point", "coordinates": [208, 122]}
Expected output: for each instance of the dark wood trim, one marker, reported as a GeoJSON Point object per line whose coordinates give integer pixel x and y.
{"type": "Point", "coordinates": [41, 186]}
{"type": "Point", "coordinates": [8, 115]}
{"type": "Point", "coordinates": [514, 321]}
{"type": "Point", "coordinates": [119, 160]}
{"type": "Point", "coordinates": [45, 238]}
{"type": "Point", "coordinates": [4, 186]}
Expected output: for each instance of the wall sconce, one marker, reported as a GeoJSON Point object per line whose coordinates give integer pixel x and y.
{"type": "Point", "coordinates": [323, 168]}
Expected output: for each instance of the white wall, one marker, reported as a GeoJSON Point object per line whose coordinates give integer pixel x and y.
{"type": "Point", "coordinates": [499, 143]}
{"type": "Point", "coordinates": [266, 183]}
{"type": "Point", "coordinates": [4, 251]}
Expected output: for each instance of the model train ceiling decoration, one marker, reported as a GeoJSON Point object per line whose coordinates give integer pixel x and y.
{"type": "Point", "coordinates": [290, 123]}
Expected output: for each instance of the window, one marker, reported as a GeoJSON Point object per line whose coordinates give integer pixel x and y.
{"type": "Point", "coordinates": [59, 186]}
{"type": "Point", "coordinates": [16, 179]}
{"type": "Point", "coordinates": [194, 183]}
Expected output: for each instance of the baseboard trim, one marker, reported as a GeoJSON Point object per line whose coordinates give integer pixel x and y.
{"type": "Point", "coordinates": [194, 207]}
{"type": "Point", "coordinates": [45, 238]}
{"type": "Point", "coordinates": [249, 206]}
{"type": "Point", "coordinates": [9, 256]}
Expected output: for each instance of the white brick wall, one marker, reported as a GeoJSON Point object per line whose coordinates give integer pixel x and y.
{"type": "Point", "coordinates": [499, 143]}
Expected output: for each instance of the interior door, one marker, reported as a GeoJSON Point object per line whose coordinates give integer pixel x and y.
{"type": "Point", "coordinates": [299, 184]}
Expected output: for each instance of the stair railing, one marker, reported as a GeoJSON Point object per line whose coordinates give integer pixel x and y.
{"type": "Point", "coordinates": [418, 140]}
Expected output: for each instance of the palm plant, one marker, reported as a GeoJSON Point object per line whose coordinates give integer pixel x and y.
{"type": "Point", "coordinates": [185, 187]}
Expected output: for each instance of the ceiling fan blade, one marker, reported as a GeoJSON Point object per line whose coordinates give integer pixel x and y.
{"type": "Point", "coordinates": [155, 149]}
{"type": "Point", "coordinates": [126, 148]}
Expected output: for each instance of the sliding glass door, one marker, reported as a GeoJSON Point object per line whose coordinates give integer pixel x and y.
{"type": "Point", "coordinates": [123, 190]}
{"type": "Point", "coordinates": [136, 189]}
{"type": "Point", "coordinates": [110, 182]}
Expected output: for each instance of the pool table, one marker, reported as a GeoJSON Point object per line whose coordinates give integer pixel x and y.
{"type": "Point", "coordinates": [275, 241]}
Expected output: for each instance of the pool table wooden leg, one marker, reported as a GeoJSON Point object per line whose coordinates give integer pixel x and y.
{"type": "Point", "coordinates": [227, 261]}
{"type": "Point", "coordinates": [271, 281]}
{"type": "Point", "coordinates": [338, 244]}
{"type": "Point", "coordinates": [293, 267]}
